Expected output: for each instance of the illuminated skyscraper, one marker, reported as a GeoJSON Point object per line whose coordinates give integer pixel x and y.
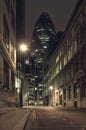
{"type": "Point", "coordinates": [43, 35]}
{"type": "Point", "coordinates": [44, 31]}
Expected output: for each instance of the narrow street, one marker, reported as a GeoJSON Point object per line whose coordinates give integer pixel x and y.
{"type": "Point", "coordinates": [42, 118]}
{"type": "Point", "coordinates": [48, 118]}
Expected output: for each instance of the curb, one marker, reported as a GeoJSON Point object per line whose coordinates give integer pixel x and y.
{"type": "Point", "coordinates": [20, 125]}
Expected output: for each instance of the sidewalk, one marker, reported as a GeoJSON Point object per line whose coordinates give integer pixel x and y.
{"type": "Point", "coordinates": [6, 110]}
{"type": "Point", "coordinates": [13, 118]}
{"type": "Point", "coordinates": [71, 109]}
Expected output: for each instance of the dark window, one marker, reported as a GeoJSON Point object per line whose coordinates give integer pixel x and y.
{"type": "Point", "coordinates": [6, 33]}
{"type": "Point", "coordinates": [60, 99]}
{"type": "Point", "coordinates": [12, 49]}
{"type": "Point", "coordinates": [69, 92]}
{"type": "Point", "coordinates": [6, 75]}
{"type": "Point", "coordinates": [84, 90]}
{"type": "Point", "coordinates": [12, 81]}
{"type": "Point", "coordinates": [64, 94]}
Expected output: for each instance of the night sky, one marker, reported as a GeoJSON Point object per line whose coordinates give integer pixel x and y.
{"type": "Point", "coordinates": [59, 11]}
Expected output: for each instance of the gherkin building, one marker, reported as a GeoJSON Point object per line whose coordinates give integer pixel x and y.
{"type": "Point", "coordinates": [43, 36]}
{"type": "Point", "coordinates": [44, 31]}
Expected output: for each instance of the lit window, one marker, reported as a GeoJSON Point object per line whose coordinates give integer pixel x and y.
{"type": "Point", "coordinates": [45, 47]}
{"type": "Point", "coordinates": [36, 50]}
{"type": "Point", "coordinates": [65, 59]}
{"type": "Point", "coordinates": [57, 69]}
{"type": "Point", "coordinates": [57, 59]}
{"type": "Point", "coordinates": [76, 91]}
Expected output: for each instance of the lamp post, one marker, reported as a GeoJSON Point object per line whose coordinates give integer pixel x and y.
{"type": "Point", "coordinates": [27, 98]}
{"type": "Point", "coordinates": [51, 89]}
{"type": "Point", "coordinates": [22, 48]}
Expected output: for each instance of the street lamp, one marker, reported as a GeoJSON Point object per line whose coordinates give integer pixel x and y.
{"type": "Point", "coordinates": [51, 89]}
{"type": "Point", "coordinates": [22, 48]}
{"type": "Point", "coordinates": [27, 98]}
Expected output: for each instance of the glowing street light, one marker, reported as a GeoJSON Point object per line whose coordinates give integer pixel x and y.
{"type": "Point", "coordinates": [51, 88]}
{"type": "Point", "coordinates": [23, 47]}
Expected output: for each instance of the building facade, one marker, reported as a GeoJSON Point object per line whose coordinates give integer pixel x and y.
{"type": "Point", "coordinates": [7, 53]}
{"type": "Point", "coordinates": [29, 90]}
{"type": "Point", "coordinates": [66, 70]}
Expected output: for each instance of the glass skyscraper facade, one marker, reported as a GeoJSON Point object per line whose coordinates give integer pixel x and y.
{"type": "Point", "coordinates": [44, 31]}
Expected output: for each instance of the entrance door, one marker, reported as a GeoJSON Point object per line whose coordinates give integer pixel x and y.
{"type": "Point", "coordinates": [60, 99]}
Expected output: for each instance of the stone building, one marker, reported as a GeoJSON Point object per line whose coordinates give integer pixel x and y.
{"type": "Point", "coordinates": [66, 70]}
{"type": "Point", "coordinates": [7, 53]}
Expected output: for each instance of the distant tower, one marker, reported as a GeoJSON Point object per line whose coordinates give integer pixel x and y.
{"type": "Point", "coordinates": [43, 35]}
{"type": "Point", "coordinates": [44, 31]}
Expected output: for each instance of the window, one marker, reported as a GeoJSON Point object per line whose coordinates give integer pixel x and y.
{"type": "Point", "coordinates": [75, 46]}
{"type": "Point", "coordinates": [84, 90]}
{"type": "Point", "coordinates": [6, 33]}
{"type": "Point", "coordinates": [57, 69]}
{"type": "Point", "coordinates": [64, 94]}
{"type": "Point", "coordinates": [12, 81]}
{"type": "Point", "coordinates": [6, 75]}
{"type": "Point", "coordinates": [60, 65]}
{"type": "Point", "coordinates": [65, 59]}
{"type": "Point", "coordinates": [69, 92]}
{"type": "Point", "coordinates": [76, 91]}
{"type": "Point", "coordinates": [12, 49]}
{"type": "Point", "coordinates": [69, 53]}
{"type": "Point", "coordinates": [57, 59]}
